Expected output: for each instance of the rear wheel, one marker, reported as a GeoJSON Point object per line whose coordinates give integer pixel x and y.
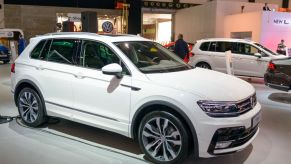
{"type": "Point", "coordinates": [203, 65]}
{"type": "Point", "coordinates": [163, 138]}
{"type": "Point", "coordinates": [30, 107]}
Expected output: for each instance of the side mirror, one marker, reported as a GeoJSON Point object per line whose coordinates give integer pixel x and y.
{"type": "Point", "coordinates": [258, 55]}
{"type": "Point", "coordinates": [112, 69]}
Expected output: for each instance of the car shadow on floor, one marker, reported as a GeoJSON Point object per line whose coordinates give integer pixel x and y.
{"type": "Point", "coordinates": [116, 141]}
{"type": "Point", "coordinates": [280, 97]}
{"type": "Point", "coordinates": [94, 135]}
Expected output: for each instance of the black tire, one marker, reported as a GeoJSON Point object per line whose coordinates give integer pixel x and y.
{"type": "Point", "coordinates": [146, 139]}
{"type": "Point", "coordinates": [5, 62]}
{"type": "Point", "coordinates": [30, 107]}
{"type": "Point", "coordinates": [203, 65]}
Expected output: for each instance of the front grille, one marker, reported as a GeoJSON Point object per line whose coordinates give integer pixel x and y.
{"type": "Point", "coordinates": [238, 136]}
{"type": "Point", "coordinates": [247, 104]}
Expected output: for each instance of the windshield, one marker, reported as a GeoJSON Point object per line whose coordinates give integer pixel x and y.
{"type": "Point", "coordinates": [151, 57]}
{"type": "Point", "coordinates": [266, 49]}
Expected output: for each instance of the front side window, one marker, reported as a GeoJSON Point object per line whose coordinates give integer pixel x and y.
{"type": "Point", "coordinates": [151, 57]}
{"type": "Point", "coordinates": [247, 49]}
{"type": "Point", "coordinates": [61, 51]}
{"type": "Point", "coordinates": [266, 49]}
{"type": "Point", "coordinates": [96, 55]}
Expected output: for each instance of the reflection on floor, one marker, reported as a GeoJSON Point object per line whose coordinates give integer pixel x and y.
{"type": "Point", "coordinates": [65, 142]}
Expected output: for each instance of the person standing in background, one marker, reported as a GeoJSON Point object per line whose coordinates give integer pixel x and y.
{"type": "Point", "coordinates": [281, 48]}
{"type": "Point", "coordinates": [181, 47]}
{"type": "Point", "coordinates": [21, 44]}
{"type": "Point", "coordinates": [266, 7]}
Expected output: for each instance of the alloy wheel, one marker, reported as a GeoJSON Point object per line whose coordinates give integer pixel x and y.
{"type": "Point", "coordinates": [161, 139]}
{"type": "Point", "coordinates": [28, 107]}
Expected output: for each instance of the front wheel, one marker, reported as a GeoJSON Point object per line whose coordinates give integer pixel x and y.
{"type": "Point", "coordinates": [163, 138]}
{"type": "Point", "coordinates": [30, 107]}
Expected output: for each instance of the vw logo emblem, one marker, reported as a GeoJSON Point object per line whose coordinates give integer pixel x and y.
{"type": "Point", "coordinates": [10, 34]}
{"type": "Point", "coordinates": [107, 27]}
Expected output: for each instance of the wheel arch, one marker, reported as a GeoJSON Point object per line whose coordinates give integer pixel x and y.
{"type": "Point", "coordinates": [168, 107]}
{"type": "Point", "coordinates": [27, 83]}
{"type": "Point", "coordinates": [206, 62]}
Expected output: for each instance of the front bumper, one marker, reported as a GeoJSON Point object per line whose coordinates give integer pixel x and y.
{"type": "Point", "coordinates": [233, 138]}
{"type": "Point", "coordinates": [239, 132]}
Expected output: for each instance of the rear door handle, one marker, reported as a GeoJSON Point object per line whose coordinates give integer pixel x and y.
{"type": "Point", "coordinates": [40, 67]}
{"type": "Point", "coordinates": [79, 76]}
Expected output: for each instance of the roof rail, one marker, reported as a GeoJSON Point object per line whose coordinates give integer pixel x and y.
{"type": "Point", "coordinates": [70, 33]}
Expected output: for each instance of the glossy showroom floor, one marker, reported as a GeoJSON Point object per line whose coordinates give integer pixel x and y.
{"type": "Point", "coordinates": [69, 142]}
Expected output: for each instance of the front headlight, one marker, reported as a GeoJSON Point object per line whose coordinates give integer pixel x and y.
{"type": "Point", "coordinates": [219, 108]}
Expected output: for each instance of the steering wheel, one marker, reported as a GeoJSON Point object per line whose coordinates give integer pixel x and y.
{"type": "Point", "coordinates": [154, 59]}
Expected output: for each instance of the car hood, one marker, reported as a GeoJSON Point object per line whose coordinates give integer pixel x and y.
{"type": "Point", "coordinates": [209, 85]}
{"type": "Point", "coordinates": [279, 57]}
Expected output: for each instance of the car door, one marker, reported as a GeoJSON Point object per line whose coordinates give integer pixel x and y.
{"type": "Point", "coordinates": [54, 73]}
{"type": "Point", "coordinates": [102, 100]}
{"type": "Point", "coordinates": [218, 49]}
{"type": "Point", "coordinates": [245, 63]}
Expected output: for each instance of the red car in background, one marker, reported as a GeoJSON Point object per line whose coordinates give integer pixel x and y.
{"type": "Point", "coordinates": [171, 47]}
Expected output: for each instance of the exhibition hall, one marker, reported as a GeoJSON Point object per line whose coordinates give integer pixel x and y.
{"type": "Point", "coordinates": [138, 81]}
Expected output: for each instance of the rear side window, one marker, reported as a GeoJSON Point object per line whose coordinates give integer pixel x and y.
{"type": "Point", "coordinates": [45, 50]}
{"type": "Point", "coordinates": [204, 46]}
{"type": "Point", "coordinates": [221, 46]}
{"type": "Point", "coordinates": [247, 49]}
{"type": "Point", "coordinates": [60, 51]}
{"type": "Point", "coordinates": [37, 50]}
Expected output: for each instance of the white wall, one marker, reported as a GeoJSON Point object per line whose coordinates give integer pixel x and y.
{"type": "Point", "coordinates": [273, 32]}
{"type": "Point", "coordinates": [225, 8]}
{"type": "Point", "coordinates": [207, 20]}
{"type": "Point", "coordinates": [244, 22]}
{"type": "Point", "coordinates": [196, 22]}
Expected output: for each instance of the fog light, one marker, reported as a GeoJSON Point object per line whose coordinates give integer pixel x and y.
{"type": "Point", "coordinates": [222, 144]}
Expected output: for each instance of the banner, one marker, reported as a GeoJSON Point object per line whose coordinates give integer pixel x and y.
{"type": "Point", "coordinates": [166, 5]}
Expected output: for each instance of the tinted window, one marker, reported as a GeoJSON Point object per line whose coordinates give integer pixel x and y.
{"type": "Point", "coordinates": [45, 50]}
{"type": "Point", "coordinates": [62, 51]}
{"type": "Point", "coordinates": [204, 46]}
{"type": "Point", "coordinates": [224, 46]}
{"type": "Point", "coordinates": [247, 49]}
{"type": "Point", "coordinates": [37, 50]}
{"type": "Point", "coordinates": [96, 55]}
{"type": "Point", "coordinates": [212, 46]}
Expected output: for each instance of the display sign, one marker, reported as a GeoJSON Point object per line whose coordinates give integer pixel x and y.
{"type": "Point", "coordinates": [73, 17]}
{"type": "Point", "coordinates": [281, 21]}
{"type": "Point", "coordinates": [6, 34]}
{"type": "Point", "coordinates": [107, 27]}
{"type": "Point", "coordinates": [166, 5]}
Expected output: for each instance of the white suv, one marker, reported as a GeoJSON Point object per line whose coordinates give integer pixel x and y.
{"type": "Point", "coordinates": [249, 58]}
{"type": "Point", "coordinates": [137, 88]}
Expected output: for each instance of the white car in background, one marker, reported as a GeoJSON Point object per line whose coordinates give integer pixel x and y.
{"type": "Point", "coordinates": [248, 58]}
{"type": "Point", "coordinates": [137, 88]}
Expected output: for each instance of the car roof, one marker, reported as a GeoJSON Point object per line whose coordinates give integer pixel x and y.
{"type": "Point", "coordinates": [87, 35]}
{"type": "Point", "coordinates": [226, 40]}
